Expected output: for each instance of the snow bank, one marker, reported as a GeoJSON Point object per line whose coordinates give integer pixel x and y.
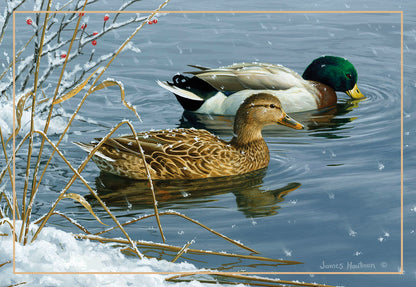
{"type": "Point", "coordinates": [57, 125]}
{"type": "Point", "coordinates": [57, 251]}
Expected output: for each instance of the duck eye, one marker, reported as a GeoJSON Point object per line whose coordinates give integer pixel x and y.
{"type": "Point", "coordinates": [272, 106]}
{"type": "Point", "coordinates": [349, 76]}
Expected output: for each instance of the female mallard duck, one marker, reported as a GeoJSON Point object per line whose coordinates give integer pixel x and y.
{"type": "Point", "coordinates": [220, 91]}
{"type": "Point", "coordinates": [192, 153]}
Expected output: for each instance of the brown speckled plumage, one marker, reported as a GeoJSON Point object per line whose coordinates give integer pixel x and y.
{"type": "Point", "coordinates": [192, 153]}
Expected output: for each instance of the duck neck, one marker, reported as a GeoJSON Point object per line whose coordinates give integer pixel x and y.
{"type": "Point", "coordinates": [250, 143]}
{"type": "Point", "coordinates": [246, 135]}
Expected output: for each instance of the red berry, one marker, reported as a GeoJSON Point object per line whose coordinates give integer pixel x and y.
{"type": "Point", "coordinates": [29, 21]}
{"type": "Point", "coordinates": [83, 26]}
{"type": "Point", "coordinates": [95, 33]}
{"type": "Point", "coordinates": [106, 17]}
{"type": "Point", "coordinates": [63, 56]}
{"type": "Point", "coordinates": [154, 21]}
{"type": "Point", "coordinates": [150, 22]}
{"type": "Point", "coordinates": [94, 42]}
{"type": "Point", "coordinates": [81, 14]}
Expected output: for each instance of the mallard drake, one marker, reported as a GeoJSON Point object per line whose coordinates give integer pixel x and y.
{"type": "Point", "coordinates": [220, 91]}
{"type": "Point", "coordinates": [193, 153]}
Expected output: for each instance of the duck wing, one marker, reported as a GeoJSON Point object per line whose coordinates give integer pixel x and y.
{"type": "Point", "coordinates": [250, 76]}
{"type": "Point", "coordinates": [177, 153]}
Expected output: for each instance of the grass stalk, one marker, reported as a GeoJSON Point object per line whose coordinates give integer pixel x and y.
{"type": "Point", "coordinates": [189, 250]}
{"type": "Point", "coordinates": [83, 229]}
{"type": "Point", "coordinates": [129, 39]}
{"type": "Point", "coordinates": [250, 279]}
{"type": "Point", "coordinates": [32, 121]}
{"type": "Point", "coordinates": [88, 93]}
{"type": "Point", "coordinates": [91, 90]}
{"type": "Point", "coordinates": [77, 175]}
{"type": "Point", "coordinates": [7, 262]}
{"type": "Point", "coordinates": [8, 204]}
{"type": "Point", "coordinates": [182, 251]}
{"type": "Point", "coordinates": [17, 284]}
{"type": "Point", "coordinates": [10, 173]}
{"type": "Point", "coordinates": [45, 130]}
{"type": "Point", "coordinates": [18, 55]}
{"type": "Point", "coordinates": [151, 187]}
{"type": "Point", "coordinates": [187, 218]}
{"type": "Point", "coordinates": [10, 225]}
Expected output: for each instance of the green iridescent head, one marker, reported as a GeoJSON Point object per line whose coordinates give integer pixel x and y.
{"type": "Point", "coordinates": [336, 72]}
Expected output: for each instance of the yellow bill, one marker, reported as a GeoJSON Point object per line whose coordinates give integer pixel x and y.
{"type": "Point", "coordinates": [355, 93]}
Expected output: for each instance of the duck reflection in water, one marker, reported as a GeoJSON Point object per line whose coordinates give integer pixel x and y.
{"type": "Point", "coordinates": [253, 199]}
{"type": "Point", "coordinates": [321, 123]}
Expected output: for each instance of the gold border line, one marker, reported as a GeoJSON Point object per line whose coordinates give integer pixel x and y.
{"type": "Point", "coordinates": [401, 272]}
{"type": "Point", "coordinates": [401, 139]}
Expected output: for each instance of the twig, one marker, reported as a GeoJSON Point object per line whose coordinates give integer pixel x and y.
{"type": "Point", "coordinates": [32, 122]}
{"type": "Point", "coordinates": [91, 90]}
{"type": "Point", "coordinates": [187, 218]}
{"type": "Point", "coordinates": [251, 279]}
{"type": "Point", "coordinates": [45, 130]}
{"type": "Point", "coordinates": [67, 218]}
{"type": "Point", "coordinates": [190, 250]}
{"type": "Point", "coordinates": [7, 262]}
{"type": "Point", "coordinates": [77, 175]}
{"type": "Point", "coordinates": [9, 170]}
{"type": "Point", "coordinates": [183, 250]}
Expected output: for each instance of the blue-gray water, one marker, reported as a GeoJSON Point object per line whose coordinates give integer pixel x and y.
{"type": "Point", "coordinates": [330, 197]}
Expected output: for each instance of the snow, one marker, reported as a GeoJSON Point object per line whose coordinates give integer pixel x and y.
{"type": "Point", "coordinates": [130, 46]}
{"type": "Point", "coordinates": [38, 5]}
{"type": "Point", "coordinates": [57, 251]}
{"type": "Point", "coordinates": [6, 119]}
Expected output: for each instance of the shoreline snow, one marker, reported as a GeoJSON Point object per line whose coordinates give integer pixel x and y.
{"type": "Point", "coordinates": [57, 251]}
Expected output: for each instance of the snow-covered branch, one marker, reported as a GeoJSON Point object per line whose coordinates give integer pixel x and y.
{"type": "Point", "coordinates": [56, 41]}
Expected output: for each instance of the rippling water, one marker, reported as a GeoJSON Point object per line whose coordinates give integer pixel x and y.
{"type": "Point", "coordinates": [331, 194]}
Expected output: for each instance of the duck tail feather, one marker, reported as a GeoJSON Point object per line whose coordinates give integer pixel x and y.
{"type": "Point", "coordinates": [180, 92]}
{"type": "Point", "coordinates": [84, 146]}
{"type": "Point", "coordinates": [199, 67]}
{"type": "Point", "coordinates": [89, 147]}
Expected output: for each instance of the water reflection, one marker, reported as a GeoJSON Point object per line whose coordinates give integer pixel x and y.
{"type": "Point", "coordinates": [321, 122]}
{"type": "Point", "coordinates": [252, 197]}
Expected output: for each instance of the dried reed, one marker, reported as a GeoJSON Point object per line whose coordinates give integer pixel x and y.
{"type": "Point", "coordinates": [32, 186]}
{"type": "Point", "coordinates": [261, 281]}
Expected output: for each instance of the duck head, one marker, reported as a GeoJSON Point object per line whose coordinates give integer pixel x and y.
{"type": "Point", "coordinates": [335, 72]}
{"type": "Point", "coordinates": [258, 111]}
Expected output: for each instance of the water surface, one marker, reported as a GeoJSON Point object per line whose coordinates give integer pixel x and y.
{"type": "Point", "coordinates": [330, 197]}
